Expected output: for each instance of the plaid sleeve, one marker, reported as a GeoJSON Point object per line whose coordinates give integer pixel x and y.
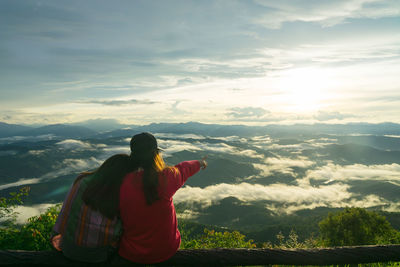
{"type": "Point", "coordinates": [59, 226]}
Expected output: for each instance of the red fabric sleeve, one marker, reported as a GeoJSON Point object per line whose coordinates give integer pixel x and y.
{"type": "Point", "coordinates": [177, 177]}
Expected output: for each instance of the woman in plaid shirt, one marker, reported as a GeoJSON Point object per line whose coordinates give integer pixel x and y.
{"type": "Point", "coordinates": [88, 226]}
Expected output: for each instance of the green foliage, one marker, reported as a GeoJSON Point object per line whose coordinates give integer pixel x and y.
{"type": "Point", "coordinates": [357, 226]}
{"type": "Point", "coordinates": [34, 235]}
{"type": "Point", "coordinates": [292, 241]}
{"type": "Point", "coordinates": [213, 239]}
{"type": "Point", "coordinates": [7, 205]}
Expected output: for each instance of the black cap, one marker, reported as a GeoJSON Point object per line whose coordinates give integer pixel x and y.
{"type": "Point", "coordinates": [143, 142]}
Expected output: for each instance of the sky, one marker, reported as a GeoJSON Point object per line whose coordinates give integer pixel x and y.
{"type": "Point", "coordinates": [252, 62]}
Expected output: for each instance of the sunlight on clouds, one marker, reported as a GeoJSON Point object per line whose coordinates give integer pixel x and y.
{"type": "Point", "coordinates": [251, 154]}
{"type": "Point", "coordinates": [285, 199]}
{"type": "Point", "coordinates": [304, 89]}
{"type": "Point", "coordinates": [72, 144]}
{"type": "Point", "coordinates": [187, 214]}
{"type": "Point", "coordinates": [232, 138]}
{"type": "Point", "coordinates": [108, 151]}
{"type": "Point", "coordinates": [254, 192]}
{"type": "Point", "coordinates": [305, 92]}
{"type": "Point", "coordinates": [282, 165]}
{"type": "Point", "coordinates": [263, 76]}
{"type": "Point", "coordinates": [332, 172]}
{"type": "Point", "coordinates": [173, 146]}
{"type": "Point", "coordinates": [170, 147]}
{"type": "Point", "coordinates": [326, 13]}
{"type": "Point", "coordinates": [368, 201]}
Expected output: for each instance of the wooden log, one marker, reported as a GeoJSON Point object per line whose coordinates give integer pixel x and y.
{"type": "Point", "coordinates": [223, 257]}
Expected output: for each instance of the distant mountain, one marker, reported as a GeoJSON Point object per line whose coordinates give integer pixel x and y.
{"type": "Point", "coordinates": [61, 130]}
{"type": "Point", "coordinates": [112, 128]}
{"type": "Point", "coordinates": [277, 131]}
{"type": "Point", "coordinates": [375, 141]}
{"type": "Point", "coordinates": [11, 129]}
{"type": "Point", "coordinates": [274, 129]}
{"type": "Point", "coordinates": [101, 125]}
{"type": "Point", "coordinates": [204, 129]}
{"type": "Point", "coordinates": [125, 132]}
{"type": "Point", "coordinates": [354, 154]}
{"type": "Point", "coordinates": [386, 128]}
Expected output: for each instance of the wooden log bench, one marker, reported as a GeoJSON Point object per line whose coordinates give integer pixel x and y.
{"type": "Point", "coordinates": [224, 257]}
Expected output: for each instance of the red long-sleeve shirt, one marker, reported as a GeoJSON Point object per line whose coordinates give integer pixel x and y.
{"type": "Point", "coordinates": [150, 232]}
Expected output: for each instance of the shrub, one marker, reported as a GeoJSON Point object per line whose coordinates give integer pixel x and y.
{"type": "Point", "coordinates": [213, 239]}
{"type": "Point", "coordinates": [357, 226]}
{"type": "Point", "coordinates": [34, 235]}
{"type": "Point", "coordinates": [7, 205]}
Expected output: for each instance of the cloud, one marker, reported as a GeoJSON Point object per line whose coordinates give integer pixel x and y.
{"type": "Point", "coordinates": [78, 165]}
{"type": "Point", "coordinates": [282, 165]}
{"type": "Point", "coordinates": [25, 212]}
{"type": "Point", "coordinates": [131, 67]}
{"type": "Point", "coordinates": [13, 139]}
{"type": "Point", "coordinates": [36, 152]}
{"type": "Point", "coordinates": [296, 148]}
{"type": "Point", "coordinates": [173, 146]}
{"type": "Point", "coordinates": [392, 136]}
{"type": "Point", "coordinates": [331, 115]}
{"type": "Point", "coordinates": [178, 111]}
{"type": "Point", "coordinates": [66, 167]}
{"type": "Point", "coordinates": [179, 136]}
{"type": "Point", "coordinates": [217, 147]}
{"type": "Point", "coordinates": [326, 13]}
{"type": "Point", "coordinates": [321, 142]}
{"type": "Point", "coordinates": [232, 138]}
{"type": "Point", "coordinates": [71, 144]}
{"type": "Point", "coordinates": [368, 201]}
{"type": "Point", "coordinates": [283, 199]}
{"type": "Point", "coordinates": [332, 172]}
{"type": "Point", "coordinates": [262, 142]}
{"type": "Point", "coordinates": [20, 182]}
{"type": "Point", "coordinates": [108, 151]}
{"type": "Point", "coordinates": [250, 153]}
{"type": "Point", "coordinates": [248, 112]}
{"type": "Point", "coordinates": [280, 193]}
{"type": "Point", "coordinates": [187, 214]}
{"type": "Point", "coordinates": [170, 147]}
{"type": "Point", "coordinates": [119, 102]}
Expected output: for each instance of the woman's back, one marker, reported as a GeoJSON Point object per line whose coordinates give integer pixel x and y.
{"type": "Point", "coordinates": [150, 231]}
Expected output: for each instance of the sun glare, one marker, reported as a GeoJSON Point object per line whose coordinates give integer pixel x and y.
{"type": "Point", "coordinates": [305, 89]}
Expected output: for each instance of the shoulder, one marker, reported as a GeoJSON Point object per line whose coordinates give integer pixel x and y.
{"type": "Point", "coordinates": [132, 177]}
{"type": "Point", "coordinates": [170, 171]}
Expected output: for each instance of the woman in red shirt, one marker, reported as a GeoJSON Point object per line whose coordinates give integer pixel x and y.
{"type": "Point", "coordinates": [150, 229]}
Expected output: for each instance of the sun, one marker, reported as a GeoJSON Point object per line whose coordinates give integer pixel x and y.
{"type": "Point", "coordinates": [305, 90]}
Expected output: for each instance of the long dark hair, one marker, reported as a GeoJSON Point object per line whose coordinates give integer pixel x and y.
{"type": "Point", "coordinates": [102, 191]}
{"type": "Point", "coordinates": [145, 154]}
{"type": "Point", "coordinates": [152, 164]}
